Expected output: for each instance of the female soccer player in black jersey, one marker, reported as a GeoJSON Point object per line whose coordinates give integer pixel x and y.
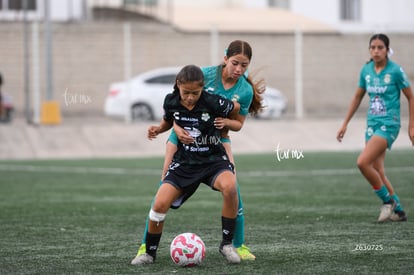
{"type": "Point", "coordinates": [203, 161]}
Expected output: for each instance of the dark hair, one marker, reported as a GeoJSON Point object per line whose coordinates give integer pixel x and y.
{"type": "Point", "coordinates": [189, 73]}
{"type": "Point", "coordinates": [242, 47]}
{"type": "Point", "coordinates": [239, 47]}
{"type": "Point", "coordinates": [1, 80]}
{"type": "Point", "coordinates": [381, 37]}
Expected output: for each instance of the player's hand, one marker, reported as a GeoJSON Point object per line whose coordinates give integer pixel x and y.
{"type": "Point", "coordinates": [341, 133]}
{"type": "Point", "coordinates": [153, 132]}
{"type": "Point", "coordinates": [220, 123]}
{"type": "Point", "coordinates": [411, 134]}
{"type": "Point", "coordinates": [182, 135]}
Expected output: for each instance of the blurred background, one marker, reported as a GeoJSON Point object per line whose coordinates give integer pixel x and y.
{"type": "Point", "coordinates": [61, 61]}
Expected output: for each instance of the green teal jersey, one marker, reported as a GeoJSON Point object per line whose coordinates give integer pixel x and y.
{"type": "Point", "coordinates": [242, 91]}
{"type": "Point", "coordinates": [384, 91]}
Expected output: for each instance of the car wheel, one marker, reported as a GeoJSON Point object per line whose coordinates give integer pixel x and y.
{"type": "Point", "coordinates": [141, 112]}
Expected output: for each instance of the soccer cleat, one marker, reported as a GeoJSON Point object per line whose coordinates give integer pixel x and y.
{"type": "Point", "coordinates": [229, 252]}
{"type": "Point", "coordinates": [387, 209]}
{"type": "Point", "coordinates": [142, 249]}
{"type": "Point", "coordinates": [398, 216]}
{"type": "Point", "coordinates": [143, 259]}
{"type": "Point", "coordinates": [245, 254]}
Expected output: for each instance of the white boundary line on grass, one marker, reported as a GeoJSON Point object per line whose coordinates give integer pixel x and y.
{"type": "Point", "coordinates": [151, 172]}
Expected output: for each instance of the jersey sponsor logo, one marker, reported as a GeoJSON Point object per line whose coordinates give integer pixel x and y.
{"type": "Point", "coordinates": [377, 106]}
{"type": "Point", "coordinates": [193, 132]}
{"type": "Point", "coordinates": [198, 149]}
{"type": "Point", "coordinates": [177, 117]}
{"type": "Point", "coordinates": [188, 119]}
{"type": "Point", "coordinates": [376, 89]}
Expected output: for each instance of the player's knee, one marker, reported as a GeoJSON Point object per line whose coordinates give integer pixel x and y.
{"type": "Point", "coordinates": [230, 190]}
{"type": "Point", "coordinates": [362, 163]}
{"type": "Point", "coordinates": [156, 216]}
{"type": "Point", "coordinates": [160, 206]}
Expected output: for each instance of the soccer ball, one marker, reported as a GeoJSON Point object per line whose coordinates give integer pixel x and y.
{"type": "Point", "coordinates": [187, 249]}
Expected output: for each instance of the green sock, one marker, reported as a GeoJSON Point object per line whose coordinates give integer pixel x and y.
{"type": "Point", "coordinates": [383, 194]}
{"type": "Point", "coordinates": [398, 207]}
{"type": "Point", "coordinates": [238, 239]}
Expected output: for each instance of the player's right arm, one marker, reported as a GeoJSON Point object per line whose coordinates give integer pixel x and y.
{"type": "Point", "coordinates": [154, 131]}
{"type": "Point", "coordinates": [353, 107]}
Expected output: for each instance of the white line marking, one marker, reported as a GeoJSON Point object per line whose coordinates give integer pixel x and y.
{"type": "Point", "coordinates": [156, 172]}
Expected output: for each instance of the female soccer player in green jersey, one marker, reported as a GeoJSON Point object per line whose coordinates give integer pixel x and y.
{"type": "Point", "coordinates": [383, 80]}
{"type": "Point", "coordinates": [229, 80]}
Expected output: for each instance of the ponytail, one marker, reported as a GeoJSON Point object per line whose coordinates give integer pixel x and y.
{"type": "Point", "coordinates": [259, 87]}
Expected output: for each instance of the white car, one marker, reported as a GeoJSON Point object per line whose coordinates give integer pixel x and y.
{"type": "Point", "coordinates": [275, 104]}
{"type": "Point", "coordinates": [142, 97]}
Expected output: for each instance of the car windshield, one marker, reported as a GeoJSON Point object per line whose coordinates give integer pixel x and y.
{"type": "Point", "coordinates": [162, 79]}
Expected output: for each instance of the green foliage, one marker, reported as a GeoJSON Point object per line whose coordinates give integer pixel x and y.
{"type": "Point", "coordinates": [314, 215]}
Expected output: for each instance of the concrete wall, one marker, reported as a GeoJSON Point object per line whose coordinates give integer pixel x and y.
{"type": "Point", "coordinates": [89, 56]}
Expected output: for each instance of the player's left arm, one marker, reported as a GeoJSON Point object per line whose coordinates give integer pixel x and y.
{"type": "Point", "coordinates": [410, 98]}
{"type": "Point", "coordinates": [233, 122]}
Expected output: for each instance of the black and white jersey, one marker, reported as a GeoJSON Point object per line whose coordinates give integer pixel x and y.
{"type": "Point", "coordinates": [199, 122]}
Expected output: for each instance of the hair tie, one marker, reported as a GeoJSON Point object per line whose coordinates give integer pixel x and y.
{"type": "Point", "coordinates": [390, 52]}
{"type": "Point", "coordinates": [225, 52]}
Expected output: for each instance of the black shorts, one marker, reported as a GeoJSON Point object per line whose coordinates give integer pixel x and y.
{"type": "Point", "coordinates": [188, 179]}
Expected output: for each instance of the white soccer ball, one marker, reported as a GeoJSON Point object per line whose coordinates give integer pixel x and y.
{"type": "Point", "coordinates": [187, 249]}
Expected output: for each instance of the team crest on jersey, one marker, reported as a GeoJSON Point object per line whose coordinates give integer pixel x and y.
{"type": "Point", "coordinates": [368, 78]}
{"type": "Point", "coordinates": [205, 116]}
{"type": "Point", "coordinates": [387, 78]}
{"type": "Point", "coordinates": [235, 98]}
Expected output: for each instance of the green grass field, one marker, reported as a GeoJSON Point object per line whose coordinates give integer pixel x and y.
{"type": "Point", "coordinates": [314, 215]}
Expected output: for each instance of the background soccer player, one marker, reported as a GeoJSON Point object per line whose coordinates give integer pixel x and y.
{"type": "Point", "coordinates": [383, 80]}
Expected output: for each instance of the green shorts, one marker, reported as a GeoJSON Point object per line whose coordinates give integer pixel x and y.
{"type": "Point", "coordinates": [388, 132]}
